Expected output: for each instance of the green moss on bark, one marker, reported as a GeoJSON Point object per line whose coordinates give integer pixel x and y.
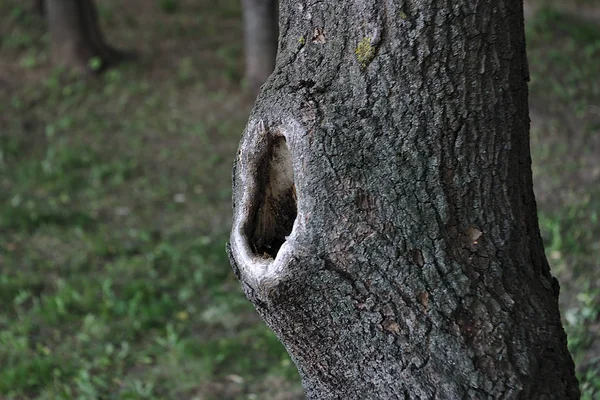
{"type": "Point", "coordinates": [365, 52]}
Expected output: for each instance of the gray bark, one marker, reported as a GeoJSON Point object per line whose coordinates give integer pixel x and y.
{"type": "Point", "coordinates": [75, 37]}
{"type": "Point", "coordinates": [385, 225]}
{"type": "Point", "coordinates": [260, 33]}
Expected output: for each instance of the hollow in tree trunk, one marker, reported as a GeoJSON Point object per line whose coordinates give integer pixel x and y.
{"type": "Point", "coordinates": [385, 225]}
{"type": "Point", "coordinates": [260, 32]}
{"type": "Point", "coordinates": [75, 37]}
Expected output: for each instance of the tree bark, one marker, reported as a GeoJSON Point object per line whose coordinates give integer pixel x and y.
{"type": "Point", "coordinates": [385, 225]}
{"type": "Point", "coordinates": [75, 36]}
{"type": "Point", "coordinates": [260, 32]}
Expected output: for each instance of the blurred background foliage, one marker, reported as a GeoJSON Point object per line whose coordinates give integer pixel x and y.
{"type": "Point", "coordinates": [115, 204]}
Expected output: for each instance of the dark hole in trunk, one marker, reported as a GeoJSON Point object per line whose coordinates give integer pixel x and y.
{"type": "Point", "coordinates": [277, 207]}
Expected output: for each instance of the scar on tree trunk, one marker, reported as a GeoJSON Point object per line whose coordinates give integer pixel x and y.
{"type": "Point", "coordinates": [75, 37]}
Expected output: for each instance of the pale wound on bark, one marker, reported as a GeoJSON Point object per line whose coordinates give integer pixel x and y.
{"type": "Point", "coordinates": [265, 219]}
{"type": "Point", "coordinates": [473, 234]}
{"type": "Point", "coordinates": [318, 36]}
{"type": "Point", "coordinates": [423, 298]}
{"type": "Point", "coordinates": [417, 257]}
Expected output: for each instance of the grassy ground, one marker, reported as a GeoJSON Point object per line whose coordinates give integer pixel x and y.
{"type": "Point", "coordinates": [114, 212]}
{"type": "Point", "coordinates": [564, 59]}
{"type": "Point", "coordinates": [114, 207]}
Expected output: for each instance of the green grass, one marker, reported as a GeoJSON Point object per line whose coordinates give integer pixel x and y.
{"type": "Point", "coordinates": [564, 59]}
{"type": "Point", "coordinates": [114, 213]}
{"type": "Point", "coordinates": [99, 303]}
{"type": "Point", "coordinates": [564, 54]}
{"type": "Point", "coordinates": [105, 290]}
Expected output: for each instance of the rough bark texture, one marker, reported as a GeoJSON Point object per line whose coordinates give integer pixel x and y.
{"type": "Point", "coordinates": [260, 26]}
{"type": "Point", "coordinates": [395, 135]}
{"type": "Point", "coordinates": [75, 37]}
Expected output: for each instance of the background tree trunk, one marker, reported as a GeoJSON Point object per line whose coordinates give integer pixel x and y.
{"type": "Point", "coordinates": [385, 225]}
{"type": "Point", "coordinates": [39, 7]}
{"type": "Point", "coordinates": [75, 36]}
{"type": "Point", "coordinates": [260, 26]}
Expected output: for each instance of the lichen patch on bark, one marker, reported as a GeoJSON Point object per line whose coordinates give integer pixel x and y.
{"type": "Point", "coordinates": [365, 52]}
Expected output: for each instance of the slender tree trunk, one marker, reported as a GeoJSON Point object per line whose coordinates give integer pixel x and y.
{"type": "Point", "coordinates": [39, 7]}
{"type": "Point", "coordinates": [75, 36]}
{"type": "Point", "coordinates": [260, 25]}
{"type": "Point", "coordinates": [385, 225]}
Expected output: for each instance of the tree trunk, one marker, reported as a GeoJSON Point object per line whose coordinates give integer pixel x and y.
{"type": "Point", "coordinates": [75, 36]}
{"type": "Point", "coordinates": [39, 7]}
{"type": "Point", "coordinates": [260, 26]}
{"type": "Point", "coordinates": [385, 225]}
